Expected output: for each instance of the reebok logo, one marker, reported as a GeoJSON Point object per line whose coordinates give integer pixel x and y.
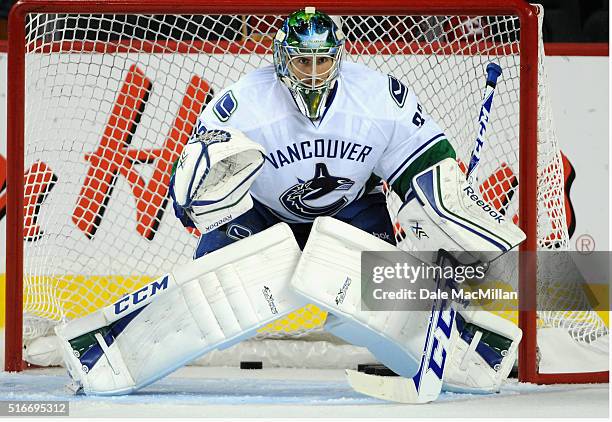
{"type": "Point", "coordinates": [482, 204]}
{"type": "Point", "coordinates": [382, 235]}
{"type": "Point", "coordinates": [217, 223]}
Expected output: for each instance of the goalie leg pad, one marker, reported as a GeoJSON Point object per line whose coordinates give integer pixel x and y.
{"type": "Point", "coordinates": [475, 358]}
{"type": "Point", "coordinates": [212, 302]}
{"type": "Point", "coordinates": [414, 344]}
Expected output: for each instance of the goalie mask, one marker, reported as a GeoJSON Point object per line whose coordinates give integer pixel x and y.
{"type": "Point", "coordinates": [307, 54]}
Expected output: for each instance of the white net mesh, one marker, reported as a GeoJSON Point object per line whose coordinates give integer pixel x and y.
{"type": "Point", "coordinates": [111, 100]}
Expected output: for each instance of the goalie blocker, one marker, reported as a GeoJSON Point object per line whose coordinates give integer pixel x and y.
{"type": "Point", "coordinates": [453, 216]}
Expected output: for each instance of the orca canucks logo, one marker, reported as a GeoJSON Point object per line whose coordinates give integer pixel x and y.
{"type": "Point", "coordinates": [295, 199]}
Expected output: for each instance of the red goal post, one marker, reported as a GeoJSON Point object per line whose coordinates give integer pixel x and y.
{"type": "Point", "coordinates": [528, 131]}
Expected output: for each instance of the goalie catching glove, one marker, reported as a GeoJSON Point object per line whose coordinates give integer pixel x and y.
{"type": "Point", "coordinates": [212, 177]}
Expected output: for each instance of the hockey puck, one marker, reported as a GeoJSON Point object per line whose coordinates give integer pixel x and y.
{"type": "Point", "coordinates": [371, 369]}
{"type": "Point", "coordinates": [251, 365]}
{"type": "Point", "coordinates": [361, 367]}
{"type": "Point", "coordinates": [376, 369]}
{"type": "Point", "coordinates": [384, 372]}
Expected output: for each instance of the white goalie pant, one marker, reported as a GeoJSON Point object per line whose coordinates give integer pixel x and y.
{"type": "Point", "coordinates": [209, 303]}
{"type": "Point", "coordinates": [396, 338]}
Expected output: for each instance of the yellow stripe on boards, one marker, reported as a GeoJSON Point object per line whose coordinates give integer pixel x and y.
{"type": "Point", "coordinates": [81, 295]}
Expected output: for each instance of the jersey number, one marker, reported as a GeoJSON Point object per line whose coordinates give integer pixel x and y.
{"type": "Point", "coordinates": [417, 119]}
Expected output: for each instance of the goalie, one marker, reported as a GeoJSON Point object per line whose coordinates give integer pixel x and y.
{"type": "Point", "coordinates": [303, 140]}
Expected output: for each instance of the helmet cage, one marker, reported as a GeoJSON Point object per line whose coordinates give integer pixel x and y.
{"type": "Point", "coordinates": [311, 68]}
{"type": "Point", "coordinates": [309, 85]}
{"type": "Point", "coordinates": [307, 57]}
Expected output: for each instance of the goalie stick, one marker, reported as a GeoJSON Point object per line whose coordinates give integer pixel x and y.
{"type": "Point", "coordinates": [426, 384]}
{"type": "Point", "coordinates": [493, 72]}
{"type": "Point", "coordinates": [412, 390]}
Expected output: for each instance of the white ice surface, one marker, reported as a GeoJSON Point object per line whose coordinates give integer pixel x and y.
{"type": "Point", "coordinates": [231, 392]}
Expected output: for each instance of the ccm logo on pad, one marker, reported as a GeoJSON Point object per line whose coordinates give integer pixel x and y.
{"type": "Point", "coordinates": [482, 204]}
{"type": "Point", "coordinates": [139, 296]}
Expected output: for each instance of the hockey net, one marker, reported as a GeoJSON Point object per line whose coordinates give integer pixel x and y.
{"type": "Point", "coordinates": [111, 97]}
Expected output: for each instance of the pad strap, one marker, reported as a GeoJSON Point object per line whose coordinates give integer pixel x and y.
{"type": "Point", "coordinates": [485, 353]}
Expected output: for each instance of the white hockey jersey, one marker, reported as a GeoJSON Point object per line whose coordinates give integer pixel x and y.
{"type": "Point", "coordinates": [373, 124]}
